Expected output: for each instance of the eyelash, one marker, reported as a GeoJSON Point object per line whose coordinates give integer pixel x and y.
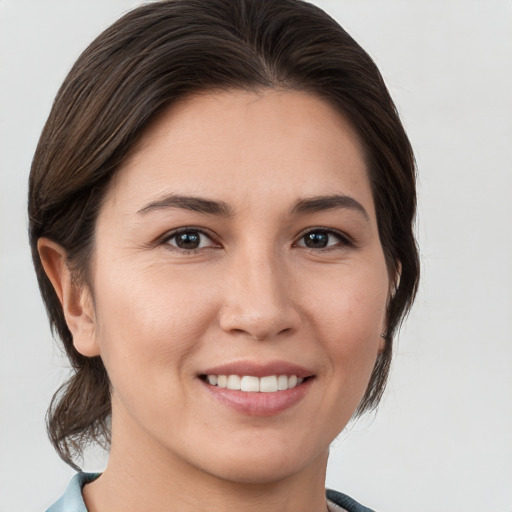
{"type": "Point", "coordinates": [174, 234]}
{"type": "Point", "coordinates": [343, 239]}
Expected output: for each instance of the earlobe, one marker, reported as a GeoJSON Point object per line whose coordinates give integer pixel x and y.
{"type": "Point", "coordinates": [76, 301]}
{"type": "Point", "coordinates": [395, 282]}
{"type": "Point", "coordinates": [382, 343]}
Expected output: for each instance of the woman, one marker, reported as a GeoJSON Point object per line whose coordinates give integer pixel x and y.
{"type": "Point", "coordinates": [221, 208]}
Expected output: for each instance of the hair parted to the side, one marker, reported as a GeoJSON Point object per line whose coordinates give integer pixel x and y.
{"type": "Point", "coordinates": [155, 55]}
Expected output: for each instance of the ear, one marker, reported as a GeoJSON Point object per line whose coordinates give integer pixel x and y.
{"type": "Point", "coordinates": [395, 280]}
{"type": "Point", "coordinates": [76, 300]}
{"type": "Point", "coordinates": [394, 283]}
{"type": "Point", "coordinates": [382, 343]}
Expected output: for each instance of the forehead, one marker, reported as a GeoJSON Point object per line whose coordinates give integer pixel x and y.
{"type": "Point", "coordinates": [243, 144]}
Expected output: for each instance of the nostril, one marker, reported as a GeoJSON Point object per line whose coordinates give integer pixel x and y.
{"type": "Point", "coordinates": [258, 320]}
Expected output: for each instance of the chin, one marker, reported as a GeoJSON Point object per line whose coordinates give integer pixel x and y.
{"type": "Point", "coordinates": [264, 473]}
{"type": "Point", "coordinates": [265, 465]}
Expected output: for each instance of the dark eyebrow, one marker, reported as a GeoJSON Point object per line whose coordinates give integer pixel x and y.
{"type": "Point", "coordinates": [332, 202]}
{"type": "Point", "coordinates": [196, 204]}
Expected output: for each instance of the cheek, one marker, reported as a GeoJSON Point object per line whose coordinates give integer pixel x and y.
{"type": "Point", "coordinates": [350, 314]}
{"type": "Point", "coordinates": [148, 323]}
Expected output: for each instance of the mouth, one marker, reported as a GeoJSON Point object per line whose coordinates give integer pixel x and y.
{"type": "Point", "coordinates": [253, 384]}
{"type": "Point", "coordinates": [258, 390]}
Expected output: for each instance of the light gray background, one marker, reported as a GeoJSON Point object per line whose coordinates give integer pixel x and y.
{"type": "Point", "coordinates": [442, 439]}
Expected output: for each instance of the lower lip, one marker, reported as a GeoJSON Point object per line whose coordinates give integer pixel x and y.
{"type": "Point", "coordinates": [260, 404]}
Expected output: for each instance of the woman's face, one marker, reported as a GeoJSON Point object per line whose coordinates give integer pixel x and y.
{"type": "Point", "coordinates": [238, 247]}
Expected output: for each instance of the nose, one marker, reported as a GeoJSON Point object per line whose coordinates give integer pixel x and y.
{"type": "Point", "coordinates": [258, 297]}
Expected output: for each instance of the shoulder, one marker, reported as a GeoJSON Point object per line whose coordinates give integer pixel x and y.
{"type": "Point", "coordinates": [72, 500]}
{"type": "Point", "coordinates": [344, 502]}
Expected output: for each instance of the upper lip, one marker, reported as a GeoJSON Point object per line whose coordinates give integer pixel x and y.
{"type": "Point", "coordinates": [259, 369]}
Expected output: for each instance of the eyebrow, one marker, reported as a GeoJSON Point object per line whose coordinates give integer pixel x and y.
{"type": "Point", "coordinates": [211, 207]}
{"type": "Point", "coordinates": [331, 202]}
{"type": "Point", "coordinates": [196, 204]}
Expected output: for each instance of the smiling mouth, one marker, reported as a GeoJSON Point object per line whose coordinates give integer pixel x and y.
{"type": "Point", "coordinates": [252, 384]}
{"type": "Point", "coordinates": [258, 389]}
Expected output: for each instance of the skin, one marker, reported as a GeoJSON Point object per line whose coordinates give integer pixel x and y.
{"type": "Point", "coordinates": [253, 290]}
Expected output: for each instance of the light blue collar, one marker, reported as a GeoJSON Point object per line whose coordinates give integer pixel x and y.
{"type": "Point", "coordinates": [72, 500]}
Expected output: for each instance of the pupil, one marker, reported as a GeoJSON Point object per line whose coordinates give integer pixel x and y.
{"type": "Point", "coordinates": [317, 240]}
{"type": "Point", "coordinates": [188, 240]}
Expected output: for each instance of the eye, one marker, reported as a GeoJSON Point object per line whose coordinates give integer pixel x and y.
{"type": "Point", "coordinates": [323, 239]}
{"type": "Point", "coordinates": [189, 240]}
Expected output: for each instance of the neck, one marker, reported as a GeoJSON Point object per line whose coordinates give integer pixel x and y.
{"type": "Point", "coordinates": [147, 477]}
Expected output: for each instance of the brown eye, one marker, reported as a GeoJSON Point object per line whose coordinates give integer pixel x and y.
{"type": "Point", "coordinates": [316, 240]}
{"type": "Point", "coordinates": [189, 240]}
{"type": "Point", "coordinates": [322, 239]}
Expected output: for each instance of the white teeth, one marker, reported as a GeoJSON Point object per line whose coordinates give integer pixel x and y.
{"type": "Point", "coordinates": [282, 382]}
{"type": "Point", "coordinates": [268, 384]}
{"type": "Point", "coordinates": [234, 382]}
{"type": "Point", "coordinates": [250, 384]}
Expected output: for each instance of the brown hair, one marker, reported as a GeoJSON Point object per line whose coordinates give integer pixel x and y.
{"type": "Point", "coordinates": [150, 58]}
